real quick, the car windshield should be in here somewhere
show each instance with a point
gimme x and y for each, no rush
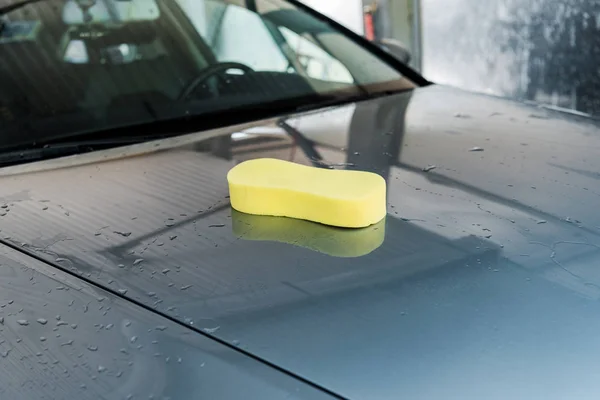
(69, 67)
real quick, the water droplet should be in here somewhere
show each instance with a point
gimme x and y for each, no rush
(217, 226)
(124, 234)
(92, 348)
(74, 326)
(119, 374)
(101, 368)
(166, 270)
(61, 323)
(133, 339)
(463, 116)
(186, 287)
(123, 291)
(211, 330)
(42, 321)
(476, 148)
(541, 222)
(109, 327)
(173, 237)
(2, 320)
(43, 338)
(127, 323)
(68, 343)
(4, 353)
(22, 322)
(160, 328)
(429, 168)
(138, 261)
(342, 165)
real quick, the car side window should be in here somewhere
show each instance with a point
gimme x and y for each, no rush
(317, 63)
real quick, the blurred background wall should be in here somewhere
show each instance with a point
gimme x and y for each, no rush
(348, 12)
(547, 51)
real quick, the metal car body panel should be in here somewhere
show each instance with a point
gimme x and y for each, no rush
(62, 338)
(486, 284)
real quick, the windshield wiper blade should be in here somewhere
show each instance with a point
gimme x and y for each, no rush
(32, 154)
(82, 142)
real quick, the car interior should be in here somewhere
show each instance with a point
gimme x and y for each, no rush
(64, 63)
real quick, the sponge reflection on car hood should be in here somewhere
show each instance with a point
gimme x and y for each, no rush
(333, 241)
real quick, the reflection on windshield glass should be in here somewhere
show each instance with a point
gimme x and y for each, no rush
(71, 66)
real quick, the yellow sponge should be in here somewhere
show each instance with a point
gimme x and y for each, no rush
(350, 199)
(330, 240)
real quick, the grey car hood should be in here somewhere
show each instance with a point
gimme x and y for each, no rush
(485, 283)
(62, 338)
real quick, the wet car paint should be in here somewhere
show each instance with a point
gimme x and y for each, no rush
(62, 338)
(485, 286)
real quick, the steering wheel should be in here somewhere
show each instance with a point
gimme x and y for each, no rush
(210, 71)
